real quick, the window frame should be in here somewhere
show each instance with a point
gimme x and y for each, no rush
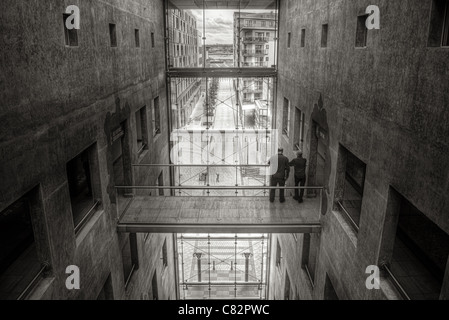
(67, 32)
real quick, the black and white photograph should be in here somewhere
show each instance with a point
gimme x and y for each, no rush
(224, 154)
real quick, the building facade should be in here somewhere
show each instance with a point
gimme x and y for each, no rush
(83, 112)
(367, 107)
(255, 47)
(94, 105)
(184, 53)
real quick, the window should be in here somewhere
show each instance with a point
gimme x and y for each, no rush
(303, 38)
(117, 152)
(439, 24)
(19, 261)
(79, 177)
(310, 246)
(324, 35)
(287, 286)
(329, 291)
(267, 47)
(362, 31)
(113, 35)
(71, 35)
(106, 292)
(137, 38)
(289, 36)
(156, 117)
(141, 129)
(164, 254)
(154, 290)
(352, 179)
(278, 254)
(160, 183)
(299, 129)
(129, 257)
(420, 250)
(152, 39)
(286, 117)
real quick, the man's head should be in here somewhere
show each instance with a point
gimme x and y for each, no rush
(299, 153)
(280, 150)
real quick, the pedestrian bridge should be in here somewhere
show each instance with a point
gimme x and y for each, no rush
(140, 212)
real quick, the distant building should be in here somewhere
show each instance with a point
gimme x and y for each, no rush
(254, 39)
(254, 47)
(184, 53)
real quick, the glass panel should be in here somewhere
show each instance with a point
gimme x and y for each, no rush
(203, 37)
(222, 125)
(219, 266)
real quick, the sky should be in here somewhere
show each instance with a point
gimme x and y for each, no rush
(219, 25)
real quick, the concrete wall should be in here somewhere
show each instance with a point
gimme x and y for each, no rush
(55, 102)
(388, 105)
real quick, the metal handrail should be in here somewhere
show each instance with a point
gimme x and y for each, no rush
(231, 283)
(87, 216)
(40, 274)
(396, 283)
(141, 148)
(201, 165)
(217, 187)
(349, 216)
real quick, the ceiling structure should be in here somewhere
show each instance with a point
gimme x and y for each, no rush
(227, 4)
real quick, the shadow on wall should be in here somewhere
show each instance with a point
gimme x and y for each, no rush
(319, 153)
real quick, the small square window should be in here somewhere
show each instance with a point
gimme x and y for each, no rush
(362, 31)
(439, 24)
(164, 254)
(137, 38)
(113, 35)
(324, 35)
(156, 117)
(286, 117)
(71, 35)
(130, 257)
(303, 38)
(278, 254)
(141, 129)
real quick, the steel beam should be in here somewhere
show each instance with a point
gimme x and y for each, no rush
(218, 228)
(222, 72)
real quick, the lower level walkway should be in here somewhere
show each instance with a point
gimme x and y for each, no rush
(220, 215)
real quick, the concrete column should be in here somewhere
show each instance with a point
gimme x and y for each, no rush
(247, 255)
(198, 257)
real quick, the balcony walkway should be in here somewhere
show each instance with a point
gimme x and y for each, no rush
(199, 214)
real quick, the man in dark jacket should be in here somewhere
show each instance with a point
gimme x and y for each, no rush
(299, 163)
(280, 169)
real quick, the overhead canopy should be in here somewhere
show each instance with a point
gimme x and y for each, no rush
(227, 4)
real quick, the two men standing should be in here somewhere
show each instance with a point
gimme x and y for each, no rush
(282, 172)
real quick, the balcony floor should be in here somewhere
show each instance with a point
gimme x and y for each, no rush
(220, 215)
